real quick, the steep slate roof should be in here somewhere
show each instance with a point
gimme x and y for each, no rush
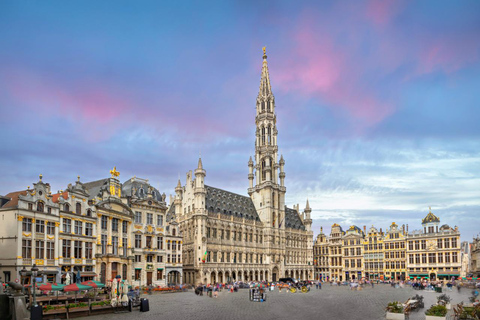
(94, 187)
(139, 184)
(230, 203)
(292, 220)
(14, 198)
(430, 218)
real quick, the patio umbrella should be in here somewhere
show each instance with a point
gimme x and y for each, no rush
(93, 284)
(51, 287)
(75, 287)
(125, 292)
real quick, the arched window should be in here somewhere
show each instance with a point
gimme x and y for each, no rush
(66, 207)
(40, 206)
(263, 136)
(269, 136)
(89, 212)
(174, 231)
(78, 208)
(268, 106)
(263, 106)
(141, 193)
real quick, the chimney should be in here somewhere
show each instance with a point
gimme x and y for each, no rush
(380, 230)
(364, 229)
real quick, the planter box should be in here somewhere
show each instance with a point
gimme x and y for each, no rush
(55, 311)
(78, 309)
(101, 307)
(395, 316)
(435, 318)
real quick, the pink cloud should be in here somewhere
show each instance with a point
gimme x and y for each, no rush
(329, 73)
(381, 12)
(447, 54)
(100, 110)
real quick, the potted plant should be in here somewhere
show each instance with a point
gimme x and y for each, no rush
(54, 309)
(395, 311)
(98, 305)
(77, 307)
(436, 312)
(444, 300)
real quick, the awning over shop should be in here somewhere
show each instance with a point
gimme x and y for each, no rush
(159, 268)
(87, 274)
(138, 268)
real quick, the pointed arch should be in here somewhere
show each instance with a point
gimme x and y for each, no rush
(269, 135)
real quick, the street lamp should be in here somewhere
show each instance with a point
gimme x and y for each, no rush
(35, 310)
(34, 275)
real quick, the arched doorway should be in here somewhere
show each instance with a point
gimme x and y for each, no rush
(275, 274)
(220, 277)
(234, 276)
(103, 272)
(266, 275)
(245, 276)
(432, 276)
(227, 277)
(124, 272)
(114, 270)
(213, 277)
(173, 277)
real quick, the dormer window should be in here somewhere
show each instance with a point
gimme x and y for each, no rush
(141, 193)
(89, 212)
(66, 207)
(78, 208)
(40, 206)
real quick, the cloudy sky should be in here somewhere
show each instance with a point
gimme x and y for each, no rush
(377, 101)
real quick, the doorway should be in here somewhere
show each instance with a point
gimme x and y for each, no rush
(149, 278)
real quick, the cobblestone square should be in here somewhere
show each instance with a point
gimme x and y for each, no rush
(332, 302)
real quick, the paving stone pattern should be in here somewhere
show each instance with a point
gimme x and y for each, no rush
(331, 302)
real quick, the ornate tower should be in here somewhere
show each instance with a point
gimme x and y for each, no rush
(267, 194)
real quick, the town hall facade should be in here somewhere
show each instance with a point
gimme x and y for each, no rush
(231, 237)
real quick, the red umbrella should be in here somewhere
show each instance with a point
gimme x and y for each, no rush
(51, 287)
(93, 284)
(76, 287)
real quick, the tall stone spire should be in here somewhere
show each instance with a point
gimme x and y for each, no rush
(265, 171)
(265, 87)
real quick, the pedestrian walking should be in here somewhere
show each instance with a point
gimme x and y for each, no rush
(319, 285)
(316, 285)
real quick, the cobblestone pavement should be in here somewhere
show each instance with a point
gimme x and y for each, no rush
(331, 302)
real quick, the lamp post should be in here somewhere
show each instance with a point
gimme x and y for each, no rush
(35, 310)
(34, 275)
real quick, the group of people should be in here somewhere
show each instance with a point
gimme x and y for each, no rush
(212, 290)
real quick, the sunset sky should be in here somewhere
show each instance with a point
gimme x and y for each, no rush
(377, 101)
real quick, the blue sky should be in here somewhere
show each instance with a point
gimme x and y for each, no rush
(377, 101)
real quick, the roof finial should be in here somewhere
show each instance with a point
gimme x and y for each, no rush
(78, 178)
(429, 209)
(264, 53)
(114, 172)
(40, 176)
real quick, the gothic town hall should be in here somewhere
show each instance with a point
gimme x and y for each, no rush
(231, 237)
